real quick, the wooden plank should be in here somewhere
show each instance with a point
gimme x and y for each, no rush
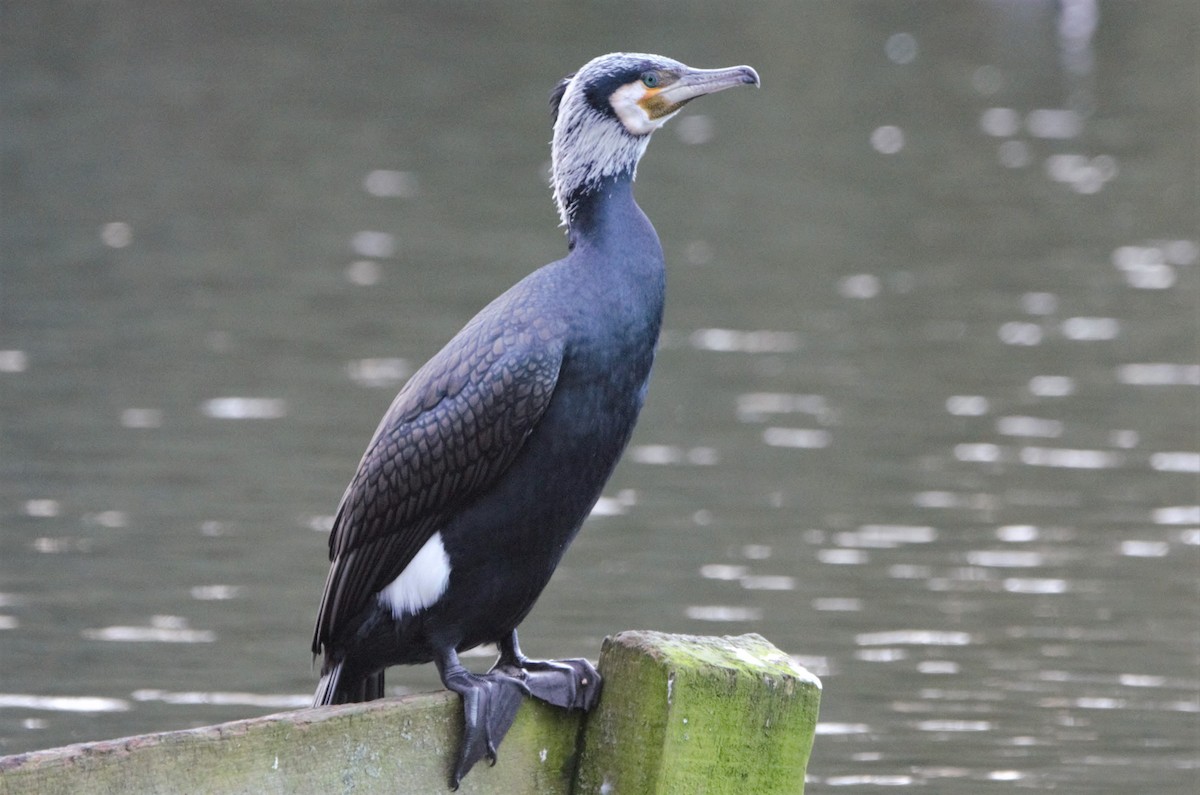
(678, 714)
(388, 746)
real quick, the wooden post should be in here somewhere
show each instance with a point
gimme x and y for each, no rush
(678, 714)
(698, 716)
(395, 745)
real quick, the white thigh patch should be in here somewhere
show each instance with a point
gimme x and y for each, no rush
(422, 582)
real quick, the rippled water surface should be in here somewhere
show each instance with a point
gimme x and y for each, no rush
(924, 415)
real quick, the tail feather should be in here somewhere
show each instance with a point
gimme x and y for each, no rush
(337, 688)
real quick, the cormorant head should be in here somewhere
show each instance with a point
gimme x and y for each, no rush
(604, 115)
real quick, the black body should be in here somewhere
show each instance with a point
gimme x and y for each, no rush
(502, 442)
(500, 445)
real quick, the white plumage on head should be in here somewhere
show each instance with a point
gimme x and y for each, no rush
(591, 144)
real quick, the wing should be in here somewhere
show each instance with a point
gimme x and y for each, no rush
(450, 433)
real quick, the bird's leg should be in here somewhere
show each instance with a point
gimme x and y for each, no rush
(572, 684)
(490, 704)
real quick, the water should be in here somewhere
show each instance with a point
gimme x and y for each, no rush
(924, 414)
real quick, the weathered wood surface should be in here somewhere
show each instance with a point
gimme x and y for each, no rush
(686, 714)
(396, 745)
(678, 714)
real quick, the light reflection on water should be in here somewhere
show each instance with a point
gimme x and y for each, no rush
(916, 417)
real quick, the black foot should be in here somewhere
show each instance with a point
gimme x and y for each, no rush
(490, 704)
(571, 684)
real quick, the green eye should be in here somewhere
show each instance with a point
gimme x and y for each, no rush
(650, 79)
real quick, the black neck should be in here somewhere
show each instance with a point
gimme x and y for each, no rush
(594, 209)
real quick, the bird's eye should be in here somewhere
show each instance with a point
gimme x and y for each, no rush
(650, 79)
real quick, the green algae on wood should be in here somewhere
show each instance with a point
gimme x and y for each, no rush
(389, 746)
(678, 714)
(698, 715)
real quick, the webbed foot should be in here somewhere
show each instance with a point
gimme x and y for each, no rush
(571, 684)
(490, 704)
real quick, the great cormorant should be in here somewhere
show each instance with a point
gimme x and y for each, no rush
(494, 452)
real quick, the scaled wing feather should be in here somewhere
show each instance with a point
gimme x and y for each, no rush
(450, 433)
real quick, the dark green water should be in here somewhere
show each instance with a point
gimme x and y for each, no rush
(925, 413)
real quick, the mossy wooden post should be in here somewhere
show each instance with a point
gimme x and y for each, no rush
(400, 745)
(678, 714)
(698, 715)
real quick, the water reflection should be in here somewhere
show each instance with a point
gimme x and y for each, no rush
(730, 340)
(245, 408)
(379, 373)
(141, 418)
(220, 699)
(63, 703)
(160, 629)
(665, 455)
(391, 184)
(13, 361)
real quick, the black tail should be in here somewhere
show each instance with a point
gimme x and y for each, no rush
(334, 688)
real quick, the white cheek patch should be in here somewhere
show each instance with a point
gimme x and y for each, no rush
(625, 104)
(422, 582)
